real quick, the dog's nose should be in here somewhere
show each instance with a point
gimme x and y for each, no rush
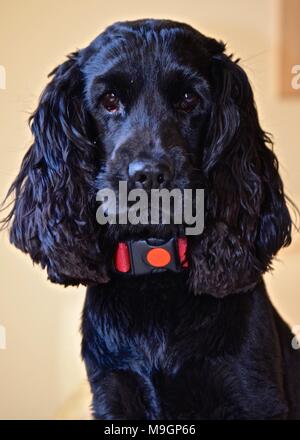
(148, 175)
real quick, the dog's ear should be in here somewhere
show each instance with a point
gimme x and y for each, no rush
(246, 220)
(53, 215)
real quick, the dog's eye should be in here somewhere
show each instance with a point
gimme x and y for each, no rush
(187, 102)
(110, 102)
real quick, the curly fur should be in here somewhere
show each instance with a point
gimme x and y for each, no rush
(203, 344)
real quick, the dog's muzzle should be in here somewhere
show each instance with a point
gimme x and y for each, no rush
(139, 257)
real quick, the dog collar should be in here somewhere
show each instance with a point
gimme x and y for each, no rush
(137, 257)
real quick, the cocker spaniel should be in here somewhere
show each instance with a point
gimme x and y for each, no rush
(189, 332)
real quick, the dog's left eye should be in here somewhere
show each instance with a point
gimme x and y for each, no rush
(110, 102)
(187, 102)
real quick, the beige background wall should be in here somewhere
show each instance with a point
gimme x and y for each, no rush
(41, 367)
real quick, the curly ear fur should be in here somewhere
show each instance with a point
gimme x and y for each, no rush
(52, 218)
(247, 220)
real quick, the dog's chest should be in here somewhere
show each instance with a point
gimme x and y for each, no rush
(188, 351)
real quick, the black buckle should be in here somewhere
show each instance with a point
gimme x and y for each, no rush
(139, 251)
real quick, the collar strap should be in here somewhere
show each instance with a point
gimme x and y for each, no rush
(137, 257)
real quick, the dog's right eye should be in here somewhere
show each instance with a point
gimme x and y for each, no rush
(187, 102)
(110, 102)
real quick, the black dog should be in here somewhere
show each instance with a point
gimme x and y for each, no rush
(159, 105)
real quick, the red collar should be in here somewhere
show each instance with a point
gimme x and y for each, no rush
(136, 257)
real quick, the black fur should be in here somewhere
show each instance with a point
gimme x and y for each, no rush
(202, 344)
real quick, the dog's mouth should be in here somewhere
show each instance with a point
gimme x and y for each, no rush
(119, 232)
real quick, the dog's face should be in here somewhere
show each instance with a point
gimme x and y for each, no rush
(149, 101)
(158, 105)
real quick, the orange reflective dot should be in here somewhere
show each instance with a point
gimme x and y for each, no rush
(158, 257)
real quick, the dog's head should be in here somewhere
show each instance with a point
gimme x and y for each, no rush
(158, 105)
